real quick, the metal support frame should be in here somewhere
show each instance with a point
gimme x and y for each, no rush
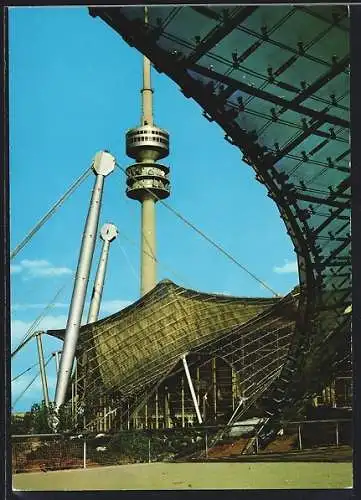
(198, 385)
(191, 388)
(76, 389)
(233, 388)
(74, 392)
(44, 382)
(72, 401)
(156, 410)
(330, 201)
(299, 438)
(214, 386)
(84, 453)
(182, 401)
(57, 355)
(103, 164)
(105, 428)
(23, 344)
(146, 415)
(166, 409)
(135, 417)
(339, 249)
(267, 96)
(219, 32)
(337, 435)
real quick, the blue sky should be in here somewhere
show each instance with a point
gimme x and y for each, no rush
(74, 91)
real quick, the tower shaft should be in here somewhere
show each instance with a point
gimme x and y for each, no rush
(148, 266)
(147, 180)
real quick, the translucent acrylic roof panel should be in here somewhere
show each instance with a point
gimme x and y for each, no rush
(267, 16)
(196, 29)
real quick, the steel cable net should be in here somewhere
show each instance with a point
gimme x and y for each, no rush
(276, 79)
(131, 352)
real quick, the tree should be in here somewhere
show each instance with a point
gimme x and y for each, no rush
(39, 420)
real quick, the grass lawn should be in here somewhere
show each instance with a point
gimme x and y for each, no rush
(160, 476)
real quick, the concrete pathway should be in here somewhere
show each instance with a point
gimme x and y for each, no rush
(160, 476)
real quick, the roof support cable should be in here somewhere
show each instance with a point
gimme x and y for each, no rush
(207, 238)
(30, 333)
(131, 267)
(97, 378)
(25, 371)
(165, 267)
(30, 383)
(24, 342)
(49, 214)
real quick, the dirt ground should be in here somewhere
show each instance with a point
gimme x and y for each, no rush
(161, 476)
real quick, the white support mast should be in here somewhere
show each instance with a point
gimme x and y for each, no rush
(108, 233)
(191, 388)
(103, 164)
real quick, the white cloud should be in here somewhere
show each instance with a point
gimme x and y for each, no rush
(49, 271)
(288, 267)
(38, 269)
(31, 264)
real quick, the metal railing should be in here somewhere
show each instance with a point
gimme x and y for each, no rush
(38, 452)
(304, 435)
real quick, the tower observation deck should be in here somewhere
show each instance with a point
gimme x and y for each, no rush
(147, 180)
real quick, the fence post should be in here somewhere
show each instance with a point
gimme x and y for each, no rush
(299, 438)
(149, 460)
(84, 453)
(206, 439)
(337, 435)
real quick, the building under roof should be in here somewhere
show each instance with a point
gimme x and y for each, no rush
(131, 352)
(276, 80)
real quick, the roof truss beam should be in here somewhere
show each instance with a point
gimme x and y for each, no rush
(338, 263)
(267, 96)
(328, 221)
(296, 195)
(219, 32)
(329, 260)
(341, 188)
(318, 16)
(336, 69)
(298, 140)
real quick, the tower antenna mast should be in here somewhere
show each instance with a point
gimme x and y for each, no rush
(147, 91)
